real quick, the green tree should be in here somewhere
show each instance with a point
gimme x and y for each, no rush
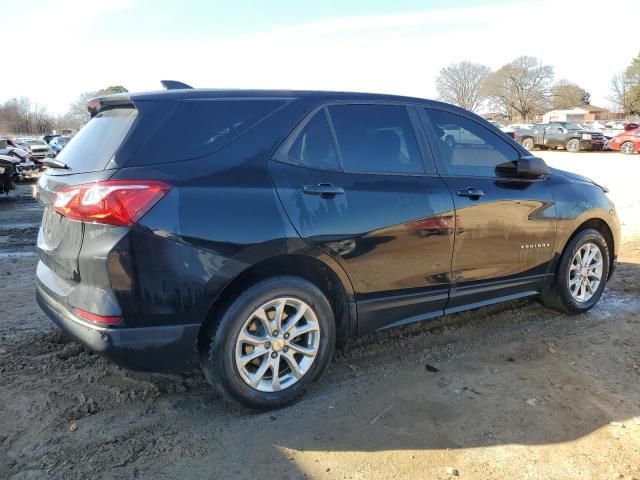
(625, 88)
(111, 90)
(566, 94)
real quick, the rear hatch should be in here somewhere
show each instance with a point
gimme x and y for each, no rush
(88, 156)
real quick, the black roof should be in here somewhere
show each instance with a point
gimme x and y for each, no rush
(313, 95)
(241, 93)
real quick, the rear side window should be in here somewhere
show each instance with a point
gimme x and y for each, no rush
(201, 127)
(313, 146)
(376, 139)
(96, 143)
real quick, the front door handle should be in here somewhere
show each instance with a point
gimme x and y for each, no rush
(325, 190)
(471, 193)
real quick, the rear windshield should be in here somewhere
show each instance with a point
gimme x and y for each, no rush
(201, 127)
(96, 143)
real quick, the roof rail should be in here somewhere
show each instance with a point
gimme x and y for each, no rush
(174, 85)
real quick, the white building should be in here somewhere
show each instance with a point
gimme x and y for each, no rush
(581, 113)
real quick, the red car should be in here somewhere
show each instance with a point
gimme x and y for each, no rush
(627, 141)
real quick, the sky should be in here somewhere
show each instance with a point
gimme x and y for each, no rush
(63, 48)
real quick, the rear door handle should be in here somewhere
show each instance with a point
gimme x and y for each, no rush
(325, 190)
(471, 192)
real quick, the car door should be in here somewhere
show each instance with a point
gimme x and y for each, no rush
(554, 135)
(359, 184)
(537, 131)
(505, 227)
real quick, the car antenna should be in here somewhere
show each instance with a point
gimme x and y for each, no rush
(174, 85)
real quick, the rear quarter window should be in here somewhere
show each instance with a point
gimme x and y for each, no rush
(96, 143)
(200, 127)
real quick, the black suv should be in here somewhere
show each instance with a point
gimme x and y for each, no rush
(250, 231)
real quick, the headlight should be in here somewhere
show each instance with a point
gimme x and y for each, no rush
(586, 136)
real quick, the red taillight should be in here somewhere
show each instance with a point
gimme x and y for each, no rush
(114, 202)
(103, 319)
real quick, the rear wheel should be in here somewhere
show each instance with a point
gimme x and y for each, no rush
(573, 145)
(528, 143)
(627, 148)
(274, 341)
(581, 275)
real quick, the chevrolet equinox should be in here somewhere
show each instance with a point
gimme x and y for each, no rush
(249, 232)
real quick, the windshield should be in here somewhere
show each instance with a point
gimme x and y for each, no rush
(572, 126)
(62, 141)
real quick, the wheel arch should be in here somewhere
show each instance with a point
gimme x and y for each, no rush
(335, 286)
(601, 226)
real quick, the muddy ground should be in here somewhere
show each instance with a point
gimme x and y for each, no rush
(512, 391)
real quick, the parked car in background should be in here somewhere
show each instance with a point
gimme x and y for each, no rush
(627, 142)
(48, 138)
(250, 231)
(24, 166)
(509, 130)
(7, 173)
(38, 148)
(57, 144)
(567, 135)
(519, 126)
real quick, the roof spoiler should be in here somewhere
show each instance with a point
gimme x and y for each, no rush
(174, 85)
(98, 104)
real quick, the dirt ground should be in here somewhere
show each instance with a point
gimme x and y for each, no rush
(511, 391)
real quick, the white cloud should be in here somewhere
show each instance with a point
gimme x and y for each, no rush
(399, 53)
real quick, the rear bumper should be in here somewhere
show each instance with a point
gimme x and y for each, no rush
(160, 348)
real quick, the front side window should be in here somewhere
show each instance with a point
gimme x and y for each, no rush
(376, 139)
(467, 147)
(313, 146)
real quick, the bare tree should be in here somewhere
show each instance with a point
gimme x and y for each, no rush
(567, 94)
(78, 115)
(461, 83)
(522, 86)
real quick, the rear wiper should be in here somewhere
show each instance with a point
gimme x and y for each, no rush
(53, 163)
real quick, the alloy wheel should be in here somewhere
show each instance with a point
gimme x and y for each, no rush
(277, 344)
(585, 272)
(627, 148)
(573, 146)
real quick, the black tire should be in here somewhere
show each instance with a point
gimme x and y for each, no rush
(627, 148)
(573, 145)
(527, 143)
(218, 355)
(559, 296)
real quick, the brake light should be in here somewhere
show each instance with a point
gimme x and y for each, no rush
(95, 318)
(114, 202)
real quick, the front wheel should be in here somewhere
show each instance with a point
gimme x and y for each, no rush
(272, 342)
(627, 148)
(581, 274)
(573, 145)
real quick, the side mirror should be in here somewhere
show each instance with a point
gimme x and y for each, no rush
(524, 167)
